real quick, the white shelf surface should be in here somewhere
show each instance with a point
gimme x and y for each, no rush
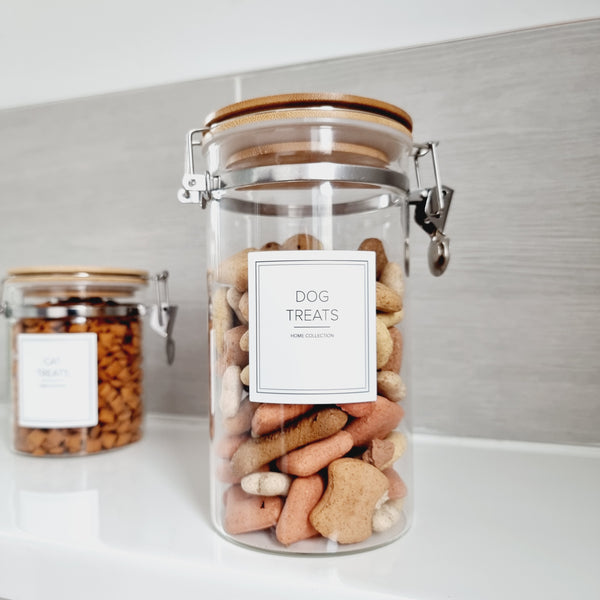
(494, 520)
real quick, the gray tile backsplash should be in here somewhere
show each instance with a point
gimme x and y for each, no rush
(505, 344)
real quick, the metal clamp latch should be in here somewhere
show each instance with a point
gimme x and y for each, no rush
(431, 210)
(162, 314)
(197, 189)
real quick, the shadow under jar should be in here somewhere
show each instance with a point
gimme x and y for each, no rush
(76, 358)
(308, 210)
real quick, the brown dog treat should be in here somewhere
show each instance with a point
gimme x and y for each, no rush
(242, 421)
(358, 409)
(394, 363)
(226, 446)
(269, 417)
(234, 270)
(293, 524)
(375, 245)
(232, 351)
(271, 246)
(385, 343)
(345, 512)
(225, 474)
(256, 452)
(313, 457)
(397, 487)
(246, 512)
(378, 424)
(379, 453)
(302, 241)
(392, 277)
(386, 299)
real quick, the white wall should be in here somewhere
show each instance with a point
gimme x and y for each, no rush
(58, 49)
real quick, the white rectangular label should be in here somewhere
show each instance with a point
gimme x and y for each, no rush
(312, 327)
(58, 379)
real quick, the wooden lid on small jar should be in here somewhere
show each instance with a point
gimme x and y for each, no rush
(82, 280)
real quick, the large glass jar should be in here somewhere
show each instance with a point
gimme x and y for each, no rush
(75, 351)
(307, 198)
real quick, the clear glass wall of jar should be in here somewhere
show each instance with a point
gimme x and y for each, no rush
(308, 299)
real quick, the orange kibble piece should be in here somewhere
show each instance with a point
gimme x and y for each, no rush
(108, 439)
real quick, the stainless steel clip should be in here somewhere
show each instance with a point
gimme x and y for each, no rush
(197, 187)
(162, 314)
(431, 210)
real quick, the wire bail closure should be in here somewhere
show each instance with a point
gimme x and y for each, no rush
(431, 204)
(162, 314)
(431, 210)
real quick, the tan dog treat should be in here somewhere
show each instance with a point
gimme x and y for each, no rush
(386, 299)
(310, 459)
(231, 392)
(397, 489)
(293, 524)
(358, 409)
(387, 516)
(392, 277)
(245, 342)
(245, 512)
(269, 417)
(391, 386)
(302, 241)
(221, 317)
(378, 424)
(385, 343)
(266, 484)
(232, 351)
(243, 306)
(256, 452)
(394, 363)
(234, 270)
(375, 245)
(379, 453)
(392, 318)
(245, 376)
(226, 446)
(233, 299)
(242, 421)
(399, 443)
(345, 512)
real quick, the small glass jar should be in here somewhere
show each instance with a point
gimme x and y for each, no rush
(76, 357)
(308, 211)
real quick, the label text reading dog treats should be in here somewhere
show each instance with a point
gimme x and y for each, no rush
(58, 380)
(312, 327)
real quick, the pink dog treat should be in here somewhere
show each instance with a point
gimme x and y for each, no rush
(358, 409)
(293, 524)
(378, 424)
(314, 457)
(269, 417)
(242, 421)
(379, 452)
(397, 487)
(245, 512)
